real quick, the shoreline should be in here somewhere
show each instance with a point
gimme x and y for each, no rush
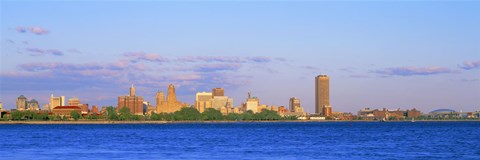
(206, 122)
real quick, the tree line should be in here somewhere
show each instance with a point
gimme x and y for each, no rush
(184, 114)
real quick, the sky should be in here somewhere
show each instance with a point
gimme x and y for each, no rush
(423, 55)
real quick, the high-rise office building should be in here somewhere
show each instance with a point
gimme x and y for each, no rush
(218, 92)
(132, 101)
(322, 95)
(56, 101)
(33, 105)
(73, 101)
(21, 103)
(203, 100)
(294, 105)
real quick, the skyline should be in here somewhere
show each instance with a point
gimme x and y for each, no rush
(423, 55)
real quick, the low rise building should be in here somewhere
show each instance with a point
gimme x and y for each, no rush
(66, 110)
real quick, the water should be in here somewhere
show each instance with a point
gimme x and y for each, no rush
(324, 140)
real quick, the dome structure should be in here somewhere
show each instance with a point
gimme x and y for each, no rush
(443, 111)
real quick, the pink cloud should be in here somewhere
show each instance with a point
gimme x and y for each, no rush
(35, 30)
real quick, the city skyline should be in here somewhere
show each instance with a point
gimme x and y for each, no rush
(382, 55)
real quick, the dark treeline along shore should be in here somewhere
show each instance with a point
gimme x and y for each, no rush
(185, 114)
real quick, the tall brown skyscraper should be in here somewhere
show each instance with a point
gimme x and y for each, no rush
(171, 105)
(159, 98)
(171, 96)
(218, 92)
(133, 102)
(322, 95)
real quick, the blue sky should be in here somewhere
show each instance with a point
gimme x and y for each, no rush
(423, 55)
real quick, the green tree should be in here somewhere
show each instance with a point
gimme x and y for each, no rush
(212, 114)
(248, 115)
(233, 117)
(187, 113)
(111, 114)
(124, 114)
(75, 115)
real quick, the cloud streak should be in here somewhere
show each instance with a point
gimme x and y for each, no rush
(41, 52)
(35, 30)
(413, 71)
(468, 65)
(142, 56)
(224, 59)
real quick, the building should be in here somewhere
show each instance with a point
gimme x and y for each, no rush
(444, 113)
(218, 92)
(171, 104)
(1, 106)
(32, 105)
(56, 101)
(159, 99)
(66, 110)
(203, 100)
(322, 95)
(414, 113)
(84, 108)
(387, 114)
(294, 105)
(21, 103)
(132, 101)
(95, 109)
(252, 103)
(222, 103)
(73, 101)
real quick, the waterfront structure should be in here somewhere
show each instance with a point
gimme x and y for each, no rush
(32, 105)
(171, 104)
(444, 113)
(132, 101)
(21, 103)
(322, 95)
(387, 114)
(56, 101)
(66, 110)
(203, 100)
(73, 101)
(218, 92)
(1, 106)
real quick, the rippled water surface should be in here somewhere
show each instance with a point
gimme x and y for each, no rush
(278, 140)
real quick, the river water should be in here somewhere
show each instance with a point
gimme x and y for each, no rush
(263, 140)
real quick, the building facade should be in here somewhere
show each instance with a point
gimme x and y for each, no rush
(132, 101)
(56, 101)
(21, 103)
(203, 100)
(294, 105)
(73, 101)
(171, 104)
(66, 110)
(32, 105)
(322, 95)
(218, 92)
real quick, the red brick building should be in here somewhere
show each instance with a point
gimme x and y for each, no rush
(66, 110)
